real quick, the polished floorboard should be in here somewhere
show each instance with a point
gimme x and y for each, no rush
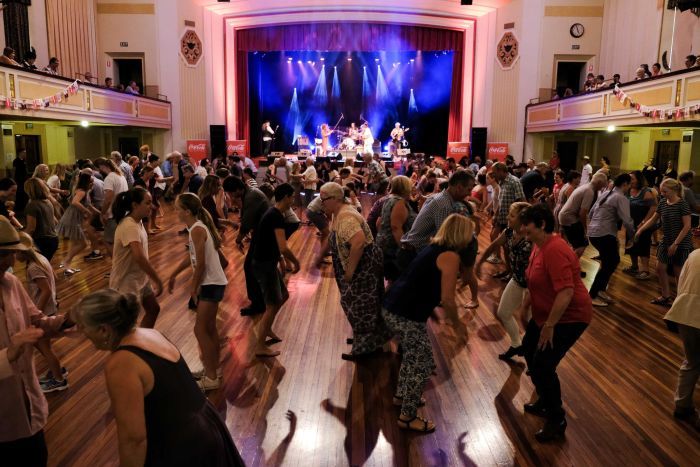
(308, 407)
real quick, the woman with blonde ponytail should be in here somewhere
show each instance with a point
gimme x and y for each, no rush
(208, 282)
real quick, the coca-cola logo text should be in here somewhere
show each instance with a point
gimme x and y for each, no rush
(236, 147)
(498, 149)
(197, 147)
(459, 150)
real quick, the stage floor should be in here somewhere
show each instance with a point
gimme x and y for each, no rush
(308, 407)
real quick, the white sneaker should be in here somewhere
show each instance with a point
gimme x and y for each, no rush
(606, 297)
(207, 384)
(599, 302)
(200, 373)
(493, 259)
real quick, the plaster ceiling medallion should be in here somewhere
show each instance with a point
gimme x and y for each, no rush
(191, 47)
(507, 51)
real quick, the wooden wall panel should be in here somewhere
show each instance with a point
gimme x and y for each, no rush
(71, 34)
(657, 97)
(116, 105)
(692, 91)
(543, 115)
(193, 112)
(505, 97)
(581, 109)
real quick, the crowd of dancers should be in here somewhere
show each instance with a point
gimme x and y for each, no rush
(398, 267)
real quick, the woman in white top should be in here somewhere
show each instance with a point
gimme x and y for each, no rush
(208, 282)
(132, 272)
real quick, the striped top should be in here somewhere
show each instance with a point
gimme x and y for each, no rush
(671, 216)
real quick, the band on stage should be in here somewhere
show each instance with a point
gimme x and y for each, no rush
(353, 138)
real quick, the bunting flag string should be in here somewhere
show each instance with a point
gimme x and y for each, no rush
(37, 104)
(675, 113)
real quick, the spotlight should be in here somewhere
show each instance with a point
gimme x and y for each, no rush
(349, 59)
(364, 67)
(412, 60)
(611, 128)
(84, 123)
(335, 67)
(309, 62)
(376, 59)
(289, 59)
(322, 59)
(299, 62)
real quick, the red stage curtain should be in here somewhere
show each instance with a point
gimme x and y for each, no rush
(360, 37)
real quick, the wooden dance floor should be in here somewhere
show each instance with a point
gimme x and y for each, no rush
(310, 408)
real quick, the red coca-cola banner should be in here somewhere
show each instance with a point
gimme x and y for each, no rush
(457, 150)
(497, 151)
(239, 146)
(197, 149)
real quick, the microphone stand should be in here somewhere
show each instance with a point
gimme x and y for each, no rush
(334, 130)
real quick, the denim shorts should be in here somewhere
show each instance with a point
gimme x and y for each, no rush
(212, 293)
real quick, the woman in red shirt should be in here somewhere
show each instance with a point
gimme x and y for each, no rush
(561, 311)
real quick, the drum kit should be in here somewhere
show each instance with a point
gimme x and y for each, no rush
(350, 139)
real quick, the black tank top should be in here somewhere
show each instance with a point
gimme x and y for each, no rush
(174, 400)
(418, 290)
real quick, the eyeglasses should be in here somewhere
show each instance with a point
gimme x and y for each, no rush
(326, 198)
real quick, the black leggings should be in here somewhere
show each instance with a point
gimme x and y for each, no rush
(543, 363)
(609, 259)
(30, 452)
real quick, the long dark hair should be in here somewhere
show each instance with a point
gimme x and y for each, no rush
(84, 180)
(123, 202)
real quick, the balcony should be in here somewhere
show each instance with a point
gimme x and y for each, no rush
(680, 89)
(92, 103)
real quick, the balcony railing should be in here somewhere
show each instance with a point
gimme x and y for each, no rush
(91, 102)
(678, 90)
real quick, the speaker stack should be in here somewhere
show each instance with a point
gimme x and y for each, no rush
(217, 140)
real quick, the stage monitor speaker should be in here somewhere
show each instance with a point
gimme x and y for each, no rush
(276, 154)
(304, 153)
(464, 2)
(349, 153)
(478, 142)
(217, 140)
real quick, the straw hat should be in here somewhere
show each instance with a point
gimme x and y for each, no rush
(9, 238)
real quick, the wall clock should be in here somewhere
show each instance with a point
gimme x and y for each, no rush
(507, 50)
(577, 30)
(191, 47)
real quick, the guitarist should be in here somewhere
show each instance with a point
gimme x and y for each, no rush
(397, 135)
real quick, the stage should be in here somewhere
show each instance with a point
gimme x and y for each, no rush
(302, 76)
(356, 99)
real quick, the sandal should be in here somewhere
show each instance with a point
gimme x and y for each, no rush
(663, 301)
(472, 304)
(498, 275)
(642, 276)
(406, 425)
(398, 401)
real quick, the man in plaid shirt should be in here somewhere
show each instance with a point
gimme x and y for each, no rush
(377, 180)
(511, 191)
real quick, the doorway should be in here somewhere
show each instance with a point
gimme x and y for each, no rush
(127, 70)
(568, 152)
(128, 146)
(31, 144)
(570, 75)
(667, 151)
